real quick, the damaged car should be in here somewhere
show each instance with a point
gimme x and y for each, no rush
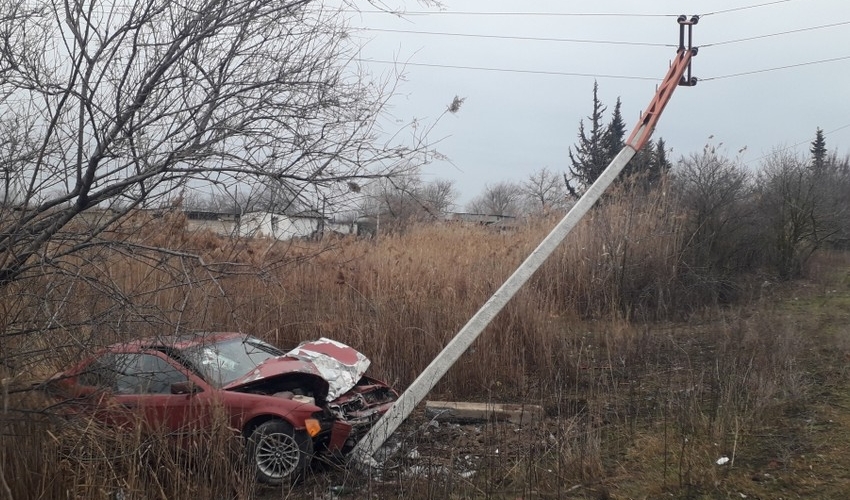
(289, 406)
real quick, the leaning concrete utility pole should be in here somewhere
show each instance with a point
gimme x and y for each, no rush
(414, 394)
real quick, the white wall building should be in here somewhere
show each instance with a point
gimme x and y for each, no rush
(278, 226)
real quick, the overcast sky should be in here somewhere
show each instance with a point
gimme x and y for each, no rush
(517, 120)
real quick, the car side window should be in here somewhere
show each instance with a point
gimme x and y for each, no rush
(101, 373)
(147, 374)
(132, 373)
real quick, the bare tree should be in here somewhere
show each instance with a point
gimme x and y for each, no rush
(394, 199)
(544, 190)
(405, 199)
(107, 108)
(122, 105)
(802, 205)
(502, 198)
(439, 195)
(840, 172)
(714, 190)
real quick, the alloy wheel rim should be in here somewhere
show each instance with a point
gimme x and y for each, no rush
(277, 455)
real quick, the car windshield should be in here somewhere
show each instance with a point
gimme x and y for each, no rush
(223, 362)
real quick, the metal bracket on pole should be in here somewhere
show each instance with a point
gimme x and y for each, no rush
(684, 23)
(387, 424)
(675, 77)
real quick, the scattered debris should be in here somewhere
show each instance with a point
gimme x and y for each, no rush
(722, 460)
(385, 452)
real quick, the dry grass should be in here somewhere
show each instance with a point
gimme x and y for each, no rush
(646, 379)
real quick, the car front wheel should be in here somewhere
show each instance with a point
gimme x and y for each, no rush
(279, 453)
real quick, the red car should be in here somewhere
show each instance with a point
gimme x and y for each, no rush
(313, 399)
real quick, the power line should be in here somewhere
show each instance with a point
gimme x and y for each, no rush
(473, 13)
(595, 75)
(795, 146)
(550, 14)
(736, 9)
(530, 38)
(757, 37)
(837, 129)
(765, 70)
(601, 42)
(510, 70)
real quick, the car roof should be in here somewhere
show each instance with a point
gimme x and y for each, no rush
(183, 341)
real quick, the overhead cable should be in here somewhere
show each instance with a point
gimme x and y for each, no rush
(602, 42)
(736, 9)
(529, 38)
(757, 37)
(765, 70)
(595, 75)
(481, 13)
(509, 70)
(795, 146)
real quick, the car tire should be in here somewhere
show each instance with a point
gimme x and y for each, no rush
(278, 453)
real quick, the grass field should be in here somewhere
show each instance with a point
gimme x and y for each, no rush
(646, 376)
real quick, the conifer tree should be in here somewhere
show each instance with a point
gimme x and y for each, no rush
(648, 165)
(818, 150)
(641, 163)
(590, 156)
(661, 160)
(595, 150)
(660, 163)
(615, 133)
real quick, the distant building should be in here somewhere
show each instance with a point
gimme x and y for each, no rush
(480, 219)
(286, 227)
(221, 223)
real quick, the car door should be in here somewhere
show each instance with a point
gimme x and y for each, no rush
(145, 383)
(135, 389)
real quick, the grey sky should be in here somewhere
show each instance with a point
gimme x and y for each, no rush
(515, 123)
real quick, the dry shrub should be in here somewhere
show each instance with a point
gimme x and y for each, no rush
(830, 269)
(400, 299)
(576, 339)
(81, 458)
(623, 260)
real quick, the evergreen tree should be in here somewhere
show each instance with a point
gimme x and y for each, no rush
(615, 133)
(591, 154)
(648, 165)
(595, 150)
(818, 150)
(641, 163)
(660, 163)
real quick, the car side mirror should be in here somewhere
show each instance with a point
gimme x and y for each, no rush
(185, 387)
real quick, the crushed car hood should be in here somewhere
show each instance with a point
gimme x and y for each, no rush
(337, 364)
